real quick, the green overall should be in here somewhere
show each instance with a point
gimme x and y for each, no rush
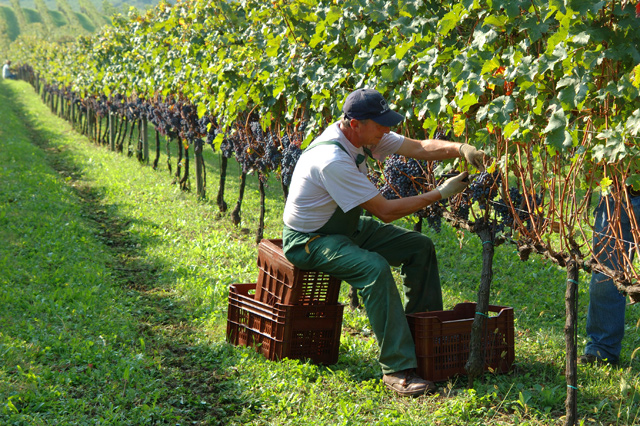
(361, 250)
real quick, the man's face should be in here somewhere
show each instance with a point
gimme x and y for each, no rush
(370, 132)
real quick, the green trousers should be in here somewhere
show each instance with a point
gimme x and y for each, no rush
(361, 251)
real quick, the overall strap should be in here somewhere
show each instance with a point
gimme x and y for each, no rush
(336, 143)
(359, 159)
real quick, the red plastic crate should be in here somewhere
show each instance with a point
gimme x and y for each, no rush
(442, 340)
(281, 282)
(284, 331)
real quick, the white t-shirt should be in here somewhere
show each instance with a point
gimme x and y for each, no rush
(5, 71)
(326, 177)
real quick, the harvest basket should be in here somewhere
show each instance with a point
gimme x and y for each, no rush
(442, 340)
(281, 282)
(284, 331)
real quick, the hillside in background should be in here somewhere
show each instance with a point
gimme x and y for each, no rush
(76, 4)
(59, 20)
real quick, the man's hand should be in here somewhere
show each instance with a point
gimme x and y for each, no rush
(473, 156)
(454, 185)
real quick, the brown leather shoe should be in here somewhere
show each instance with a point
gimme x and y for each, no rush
(408, 383)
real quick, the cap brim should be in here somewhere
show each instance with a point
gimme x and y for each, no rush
(389, 119)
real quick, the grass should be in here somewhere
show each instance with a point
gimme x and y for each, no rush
(113, 287)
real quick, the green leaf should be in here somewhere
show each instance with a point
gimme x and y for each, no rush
(393, 70)
(334, 14)
(633, 123)
(402, 49)
(605, 184)
(202, 109)
(557, 121)
(510, 129)
(636, 76)
(613, 150)
(452, 19)
(467, 101)
(218, 141)
(375, 40)
(634, 181)
(557, 135)
(491, 65)
(496, 21)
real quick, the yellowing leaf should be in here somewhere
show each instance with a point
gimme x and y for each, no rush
(635, 77)
(605, 184)
(510, 128)
(490, 127)
(459, 124)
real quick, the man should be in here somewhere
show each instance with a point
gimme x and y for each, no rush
(606, 312)
(324, 229)
(6, 70)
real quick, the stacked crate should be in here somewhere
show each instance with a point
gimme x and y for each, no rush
(288, 313)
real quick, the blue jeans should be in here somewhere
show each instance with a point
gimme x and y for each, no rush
(605, 317)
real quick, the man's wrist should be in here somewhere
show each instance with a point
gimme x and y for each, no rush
(460, 154)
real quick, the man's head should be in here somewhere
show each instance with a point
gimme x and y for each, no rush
(368, 104)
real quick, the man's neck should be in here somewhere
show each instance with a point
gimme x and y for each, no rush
(351, 135)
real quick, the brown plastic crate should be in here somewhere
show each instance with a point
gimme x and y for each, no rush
(442, 340)
(284, 331)
(281, 282)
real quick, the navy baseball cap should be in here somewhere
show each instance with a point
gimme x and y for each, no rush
(364, 104)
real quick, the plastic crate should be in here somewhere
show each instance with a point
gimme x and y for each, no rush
(442, 340)
(281, 282)
(284, 331)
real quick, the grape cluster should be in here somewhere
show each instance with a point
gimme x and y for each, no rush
(484, 188)
(272, 152)
(503, 207)
(290, 155)
(404, 177)
(255, 148)
(463, 206)
(441, 135)
(375, 177)
(433, 214)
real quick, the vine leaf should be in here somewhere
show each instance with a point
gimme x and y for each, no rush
(633, 123)
(557, 137)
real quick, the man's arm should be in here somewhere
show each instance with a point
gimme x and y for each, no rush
(390, 210)
(429, 149)
(435, 149)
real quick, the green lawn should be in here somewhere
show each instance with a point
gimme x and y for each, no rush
(113, 299)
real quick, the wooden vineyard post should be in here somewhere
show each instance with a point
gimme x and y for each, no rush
(145, 141)
(475, 363)
(222, 205)
(72, 111)
(260, 230)
(571, 341)
(112, 136)
(199, 169)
